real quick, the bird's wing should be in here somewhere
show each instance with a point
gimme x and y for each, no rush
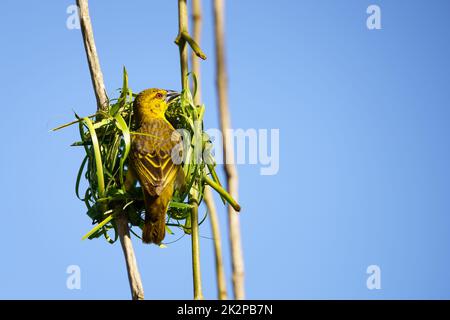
(151, 156)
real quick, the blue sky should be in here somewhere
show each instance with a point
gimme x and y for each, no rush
(363, 119)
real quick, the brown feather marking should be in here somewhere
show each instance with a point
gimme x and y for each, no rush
(151, 158)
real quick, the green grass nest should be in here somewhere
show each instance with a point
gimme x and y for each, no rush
(106, 139)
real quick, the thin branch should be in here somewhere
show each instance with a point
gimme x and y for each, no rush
(228, 152)
(183, 27)
(92, 57)
(184, 36)
(134, 277)
(208, 196)
(196, 274)
(215, 227)
(197, 33)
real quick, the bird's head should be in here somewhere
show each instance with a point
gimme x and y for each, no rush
(153, 103)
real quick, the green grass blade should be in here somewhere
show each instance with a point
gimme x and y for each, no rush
(98, 227)
(71, 123)
(97, 156)
(122, 125)
(223, 193)
(80, 172)
(215, 177)
(180, 205)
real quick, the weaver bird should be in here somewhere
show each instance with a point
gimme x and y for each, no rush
(153, 147)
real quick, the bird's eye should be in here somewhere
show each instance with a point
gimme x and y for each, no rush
(159, 95)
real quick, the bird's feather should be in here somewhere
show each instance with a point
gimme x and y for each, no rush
(152, 155)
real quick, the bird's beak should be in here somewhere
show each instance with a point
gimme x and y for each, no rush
(171, 95)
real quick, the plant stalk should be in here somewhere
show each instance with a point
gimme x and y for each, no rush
(92, 57)
(184, 36)
(134, 277)
(196, 274)
(208, 196)
(183, 28)
(217, 238)
(228, 152)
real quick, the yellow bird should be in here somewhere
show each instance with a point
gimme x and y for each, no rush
(154, 159)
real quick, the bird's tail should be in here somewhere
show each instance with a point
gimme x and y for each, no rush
(154, 229)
